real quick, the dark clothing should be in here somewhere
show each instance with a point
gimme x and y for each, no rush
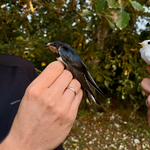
(15, 75)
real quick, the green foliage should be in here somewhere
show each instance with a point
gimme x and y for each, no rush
(137, 6)
(112, 4)
(92, 28)
(100, 5)
(123, 20)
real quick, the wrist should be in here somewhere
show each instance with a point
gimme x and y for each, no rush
(13, 141)
(9, 143)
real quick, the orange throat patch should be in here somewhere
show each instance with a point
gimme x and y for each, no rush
(53, 49)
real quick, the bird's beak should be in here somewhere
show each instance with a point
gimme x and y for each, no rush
(143, 44)
(48, 44)
(45, 45)
(51, 47)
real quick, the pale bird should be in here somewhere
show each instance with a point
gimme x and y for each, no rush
(145, 51)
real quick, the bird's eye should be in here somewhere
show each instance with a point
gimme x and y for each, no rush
(149, 42)
(55, 45)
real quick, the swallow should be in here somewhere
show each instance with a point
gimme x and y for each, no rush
(145, 51)
(74, 64)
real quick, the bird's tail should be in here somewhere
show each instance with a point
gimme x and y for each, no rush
(92, 82)
(91, 96)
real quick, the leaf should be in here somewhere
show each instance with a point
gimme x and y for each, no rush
(99, 78)
(100, 5)
(19, 38)
(106, 83)
(89, 25)
(110, 23)
(112, 4)
(86, 13)
(123, 20)
(137, 6)
(108, 66)
(123, 97)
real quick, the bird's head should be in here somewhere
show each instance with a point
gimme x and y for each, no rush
(53, 46)
(145, 43)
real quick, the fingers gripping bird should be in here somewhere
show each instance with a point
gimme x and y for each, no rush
(74, 64)
(145, 51)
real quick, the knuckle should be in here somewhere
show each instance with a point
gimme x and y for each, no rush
(60, 112)
(69, 119)
(50, 102)
(33, 92)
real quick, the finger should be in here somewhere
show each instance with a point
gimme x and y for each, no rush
(145, 84)
(49, 75)
(61, 83)
(148, 101)
(68, 93)
(148, 69)
(76, 102)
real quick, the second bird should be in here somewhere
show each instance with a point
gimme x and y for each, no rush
(74, 64)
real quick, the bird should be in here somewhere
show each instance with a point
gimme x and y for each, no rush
(145, 51)
(75, 65)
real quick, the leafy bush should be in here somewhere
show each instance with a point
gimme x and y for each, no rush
(103, 33)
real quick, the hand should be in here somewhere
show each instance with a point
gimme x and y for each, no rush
(47, 111)
(145, 84)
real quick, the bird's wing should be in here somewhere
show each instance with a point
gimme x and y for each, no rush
(76, 64)
(80, 76)
(92, 82)
(71, 57)
(141, 50)
(147, 55)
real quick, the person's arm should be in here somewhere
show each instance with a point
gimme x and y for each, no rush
(47, 111)
(145, 84)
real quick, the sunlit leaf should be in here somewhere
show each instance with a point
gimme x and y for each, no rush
(112, 4)
(85, 13)
(123, 20)
(137, 6)
(89, 25)
(19, 38)
(106, 83)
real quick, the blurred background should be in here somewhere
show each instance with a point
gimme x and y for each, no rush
(105, 34)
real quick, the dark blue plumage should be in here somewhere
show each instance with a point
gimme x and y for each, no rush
(75, 65)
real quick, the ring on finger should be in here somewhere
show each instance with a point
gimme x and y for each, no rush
(71, 88)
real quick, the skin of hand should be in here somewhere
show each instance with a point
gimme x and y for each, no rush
(145, 84)
(47, 111)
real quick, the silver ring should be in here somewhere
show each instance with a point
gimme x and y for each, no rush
(69, 87)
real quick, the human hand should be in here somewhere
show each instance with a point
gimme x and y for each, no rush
(47, 111)
(145, 84)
